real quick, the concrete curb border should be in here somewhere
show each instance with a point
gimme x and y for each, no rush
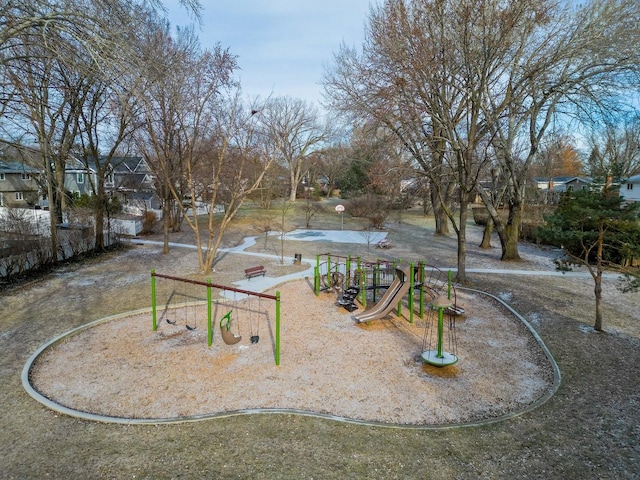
(52, 405)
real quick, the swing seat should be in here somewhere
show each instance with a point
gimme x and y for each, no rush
(455, 311)
(227, 335)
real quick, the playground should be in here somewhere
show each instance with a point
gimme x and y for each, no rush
(598, 392)
(318, 361)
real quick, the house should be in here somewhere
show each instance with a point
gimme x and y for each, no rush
(552, 187)
(630, 189)
(129, 178)
(18, 185)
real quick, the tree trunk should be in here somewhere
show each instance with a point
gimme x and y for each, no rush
(293, 179)
(486, 235)
(439, 215)
(99, 219)
(510, 235)
(461, 276)
(597, 278)
(293, 193)
(58, 194)
(166, 217)
(597, 290)
(52, 210)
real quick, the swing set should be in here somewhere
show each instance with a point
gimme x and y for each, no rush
(227, 320)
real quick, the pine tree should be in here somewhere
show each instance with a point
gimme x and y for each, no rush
(596, 229)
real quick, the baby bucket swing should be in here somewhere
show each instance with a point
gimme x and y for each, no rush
(228, 336)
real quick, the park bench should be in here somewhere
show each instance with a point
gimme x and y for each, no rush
(254, 272)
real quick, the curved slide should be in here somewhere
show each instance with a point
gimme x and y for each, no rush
(391, 297)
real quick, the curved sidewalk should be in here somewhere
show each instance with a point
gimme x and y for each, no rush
(260, 284)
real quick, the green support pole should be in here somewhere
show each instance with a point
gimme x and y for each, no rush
(375, 280)
(400, 302)
(277, 328)
(316, 280)
(421, 289)
(411, 285)
(363, 287)
(440, 331)
(153, 301)
(348, 275)
(209, 315)
(449, 284)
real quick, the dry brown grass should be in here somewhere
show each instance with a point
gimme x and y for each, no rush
(589, 429)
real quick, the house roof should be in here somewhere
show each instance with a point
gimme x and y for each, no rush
(16, 167)
(633, 179)
(565, 179)
(117, 164)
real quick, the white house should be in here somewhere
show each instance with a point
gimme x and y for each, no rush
(630, 189)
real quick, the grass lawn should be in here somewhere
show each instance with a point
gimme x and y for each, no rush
(590, 429)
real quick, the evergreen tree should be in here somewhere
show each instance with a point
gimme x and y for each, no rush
(595, 229)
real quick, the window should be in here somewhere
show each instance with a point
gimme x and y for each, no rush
(79, 177)
(110, 180)
(629, 186)
(1, 176)
(26, 176)
(19, 196)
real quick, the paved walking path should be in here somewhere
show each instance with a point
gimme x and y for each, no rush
(260, 284)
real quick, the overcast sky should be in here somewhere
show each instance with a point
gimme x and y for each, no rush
(282, 46)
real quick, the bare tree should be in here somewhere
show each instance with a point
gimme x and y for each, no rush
(242, 158)
(569, 61)
(46, 109)
(202, 140)
(295, 131)
(615, 150)
(455, 78)
(164, 97)
(40, 44)
(332, 163)
(412, 79)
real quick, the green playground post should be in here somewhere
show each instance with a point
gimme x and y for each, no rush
(440, 331)
(411, 285)
(348, 273)
(363, 286)
(449, 284)
(375, 279)
(278, 327)
(399, 313)
(421, 278)
(153, 300)
(316, 280)
(209, 315)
